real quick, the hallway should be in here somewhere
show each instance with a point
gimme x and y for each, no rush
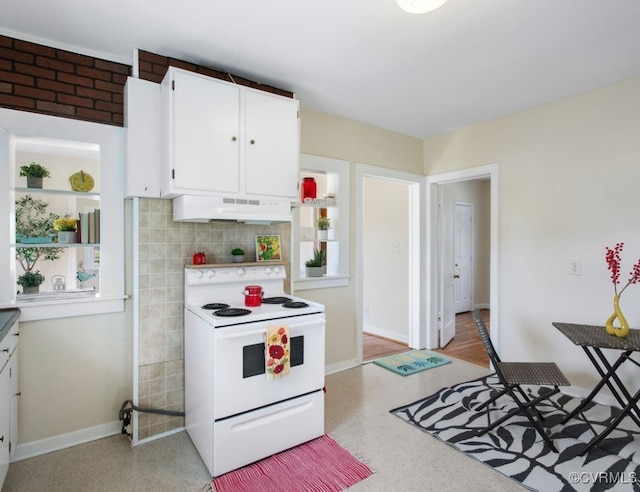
(466, 345)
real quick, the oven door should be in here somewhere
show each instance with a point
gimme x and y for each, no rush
(239, 380)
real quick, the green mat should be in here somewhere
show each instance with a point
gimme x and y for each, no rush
(411, 362)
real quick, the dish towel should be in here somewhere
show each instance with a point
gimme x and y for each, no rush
(277, 352)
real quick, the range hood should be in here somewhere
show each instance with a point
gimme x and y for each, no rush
(193, 208)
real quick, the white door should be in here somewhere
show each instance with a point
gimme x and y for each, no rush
(462, 239)
(446, 317)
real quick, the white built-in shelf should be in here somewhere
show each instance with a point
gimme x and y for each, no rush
(46, 191)
(55, 245)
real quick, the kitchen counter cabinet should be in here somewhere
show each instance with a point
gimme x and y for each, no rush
(227, 140)
(8, 378)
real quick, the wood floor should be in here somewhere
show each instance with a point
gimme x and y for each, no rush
(466, 345)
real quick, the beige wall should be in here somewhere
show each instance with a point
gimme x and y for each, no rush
(74, 374)
(331, 136)
(568, 187)
(385, 281)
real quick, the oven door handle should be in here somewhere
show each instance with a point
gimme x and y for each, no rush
(229, 336)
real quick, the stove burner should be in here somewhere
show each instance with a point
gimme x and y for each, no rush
(295, 304)
(275, 300)
(215, 305)
(231, 312)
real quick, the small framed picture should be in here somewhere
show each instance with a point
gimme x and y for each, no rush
(268, 248)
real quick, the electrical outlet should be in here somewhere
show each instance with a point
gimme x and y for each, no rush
(575, 267)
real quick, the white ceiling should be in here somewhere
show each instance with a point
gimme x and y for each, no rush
(420, 75)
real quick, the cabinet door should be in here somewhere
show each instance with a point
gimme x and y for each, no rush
(272, 145)
(5, 421)
(143, 140)
(206, 136)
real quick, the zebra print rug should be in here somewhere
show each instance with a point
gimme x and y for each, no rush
(517, 451)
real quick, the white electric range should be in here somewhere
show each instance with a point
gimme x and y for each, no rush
(233, 413)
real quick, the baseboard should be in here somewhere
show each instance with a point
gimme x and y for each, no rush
(340, 366)
(481, 306)
(389, 335)
(177, 430)
(56, 443)
(581, 393)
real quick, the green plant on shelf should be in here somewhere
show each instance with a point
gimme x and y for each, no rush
(30, 279)
(33, 220)
(34, 170)
(323, 223)
(237, 251)
(317, 260)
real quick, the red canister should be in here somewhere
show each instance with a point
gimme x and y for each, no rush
(252, 296)
(199, 258)
(309, 188)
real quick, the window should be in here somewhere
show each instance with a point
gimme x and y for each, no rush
(332, 202)
(64, 146)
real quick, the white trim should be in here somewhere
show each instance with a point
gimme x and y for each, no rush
(307, 283)
(62, 441)
(155, 437)
(416, 194)
(389, 335)
(69, 308)
(135, 287)
(431, 225)
(341, 366)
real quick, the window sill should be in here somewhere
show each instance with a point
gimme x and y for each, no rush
(325, 282)
(60, 307)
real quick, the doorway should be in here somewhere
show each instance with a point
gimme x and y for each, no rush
(388, 259)
(434, 294)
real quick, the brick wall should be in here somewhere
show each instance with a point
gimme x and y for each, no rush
(153, 67)
(47, 80)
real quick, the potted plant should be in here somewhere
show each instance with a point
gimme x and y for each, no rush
(238, 255)
(66, 227)
(323, 224)
(33, 225)
(30, 281)
(315, 264)
(34, 173)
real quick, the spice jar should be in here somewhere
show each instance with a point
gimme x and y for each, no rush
(309, 189)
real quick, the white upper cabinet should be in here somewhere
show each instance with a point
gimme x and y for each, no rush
(227, 140)
(272, 145)
(142, 122)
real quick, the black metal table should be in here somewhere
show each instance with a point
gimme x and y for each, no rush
(593, 339)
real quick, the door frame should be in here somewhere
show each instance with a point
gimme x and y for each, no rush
(490, 171)
(416, 198)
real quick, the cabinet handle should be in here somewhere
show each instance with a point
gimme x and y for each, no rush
(17, 334)
(6, 350)
(252, 142)
(1, 438)
(234, 138)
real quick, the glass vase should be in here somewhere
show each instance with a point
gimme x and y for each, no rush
(619, 331)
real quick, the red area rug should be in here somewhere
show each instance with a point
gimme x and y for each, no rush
(321, 465)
